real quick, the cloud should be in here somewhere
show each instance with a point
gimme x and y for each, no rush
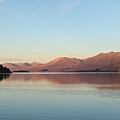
(10, 59)
(68, 7)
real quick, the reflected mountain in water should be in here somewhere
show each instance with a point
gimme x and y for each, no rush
(86, 78)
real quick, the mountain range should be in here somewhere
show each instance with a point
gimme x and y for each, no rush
(101, 62)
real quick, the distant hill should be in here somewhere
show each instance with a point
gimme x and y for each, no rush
(58, 64)
(22, 66)
(61, 64)
(101, 62)
(4, 69)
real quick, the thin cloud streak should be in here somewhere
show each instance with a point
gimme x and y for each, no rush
(67, 7)
(10, 59)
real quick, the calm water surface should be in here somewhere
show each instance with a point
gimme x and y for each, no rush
(60, 96)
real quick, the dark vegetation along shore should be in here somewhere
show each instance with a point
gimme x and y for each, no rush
(4, 69)
(97, 71)
(21, 71)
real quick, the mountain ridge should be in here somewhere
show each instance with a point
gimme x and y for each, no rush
(101, 61)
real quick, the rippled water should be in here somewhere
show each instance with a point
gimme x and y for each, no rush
(60, 96)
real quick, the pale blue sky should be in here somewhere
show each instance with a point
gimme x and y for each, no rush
(41, 30)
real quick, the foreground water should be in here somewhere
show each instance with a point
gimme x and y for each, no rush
(60, 96)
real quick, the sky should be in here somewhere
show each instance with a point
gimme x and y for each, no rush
(41, 30)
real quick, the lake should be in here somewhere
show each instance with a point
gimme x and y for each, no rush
(60, 96)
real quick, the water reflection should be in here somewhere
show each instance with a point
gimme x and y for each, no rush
(75, 96)
(100, 80)
(4, 76)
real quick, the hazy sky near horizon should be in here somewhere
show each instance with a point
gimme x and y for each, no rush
(41, 30)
